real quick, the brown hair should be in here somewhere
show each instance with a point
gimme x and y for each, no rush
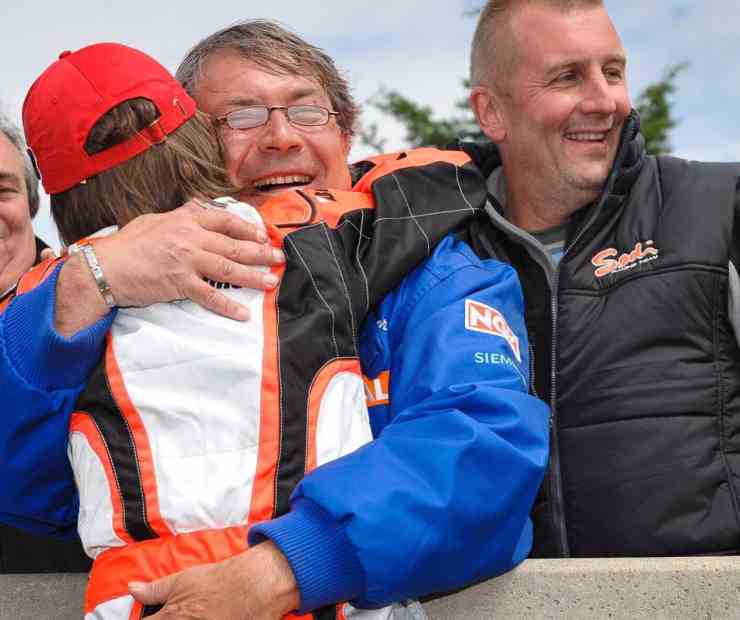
(492, 53)
(277, 50)
(188, 164)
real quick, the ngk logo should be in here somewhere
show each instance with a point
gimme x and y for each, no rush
(482, 318)
(607, 262)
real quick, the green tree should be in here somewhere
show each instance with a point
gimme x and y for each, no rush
(424, 129)
(656, 116)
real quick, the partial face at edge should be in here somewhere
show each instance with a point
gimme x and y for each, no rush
(561, 120)
(261, 159)
(17, 248)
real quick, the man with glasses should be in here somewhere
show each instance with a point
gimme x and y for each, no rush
(234, 91)
(414, 502)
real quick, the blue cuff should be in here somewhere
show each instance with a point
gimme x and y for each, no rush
(324, 563)
(37, 352)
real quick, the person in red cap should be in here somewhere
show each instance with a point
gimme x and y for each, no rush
(194, 428)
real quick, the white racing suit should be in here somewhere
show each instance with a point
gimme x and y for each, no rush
(195, 427)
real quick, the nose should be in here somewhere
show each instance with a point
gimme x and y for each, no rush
(279, 134)
(598, 96)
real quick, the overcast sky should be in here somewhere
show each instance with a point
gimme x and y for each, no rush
(419, 48)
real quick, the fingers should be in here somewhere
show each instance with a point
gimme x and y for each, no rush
(153, 593)
(241, 251)
(229, 243)
(222, 269)
(228, 224)
(208, 297)
(161, 257)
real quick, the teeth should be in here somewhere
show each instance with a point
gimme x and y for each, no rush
(269, 181)
(586, 137)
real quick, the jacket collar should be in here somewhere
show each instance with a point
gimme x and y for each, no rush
(628, 163)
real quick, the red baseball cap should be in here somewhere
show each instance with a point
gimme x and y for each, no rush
(66, 101)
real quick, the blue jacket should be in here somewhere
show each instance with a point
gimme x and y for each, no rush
(41, 376)
(442, 497)
(459, 453)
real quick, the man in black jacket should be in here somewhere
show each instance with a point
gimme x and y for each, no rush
(628, 264)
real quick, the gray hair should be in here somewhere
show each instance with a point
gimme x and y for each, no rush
(13, 134)
(278, 50)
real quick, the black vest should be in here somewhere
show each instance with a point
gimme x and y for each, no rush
(646, 416)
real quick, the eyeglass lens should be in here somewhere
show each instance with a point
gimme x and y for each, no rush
(254, 116)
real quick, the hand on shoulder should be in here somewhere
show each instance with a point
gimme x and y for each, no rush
(166, 256)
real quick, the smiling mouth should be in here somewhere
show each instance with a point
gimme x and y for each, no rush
(588, 136)
(289, 181)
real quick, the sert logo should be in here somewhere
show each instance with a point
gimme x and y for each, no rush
(482, 318)
(607, 262)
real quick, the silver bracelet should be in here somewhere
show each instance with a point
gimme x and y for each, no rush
(86, 249)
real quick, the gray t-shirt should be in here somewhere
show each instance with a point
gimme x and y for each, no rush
(553, 239)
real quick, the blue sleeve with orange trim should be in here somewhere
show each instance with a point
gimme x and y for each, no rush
(441, 497)
(41, 376)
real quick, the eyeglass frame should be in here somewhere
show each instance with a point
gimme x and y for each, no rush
(222, 120)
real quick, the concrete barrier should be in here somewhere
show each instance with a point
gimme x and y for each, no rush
(634, 589)
(592, 589)
(41, 597)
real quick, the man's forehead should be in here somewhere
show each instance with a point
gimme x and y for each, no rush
(253, 98)
(243, 81)
(553, 37)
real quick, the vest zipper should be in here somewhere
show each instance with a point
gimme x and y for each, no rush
(556, 480)
(552, 275)
(558, 506)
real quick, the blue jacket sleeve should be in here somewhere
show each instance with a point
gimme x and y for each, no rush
(441, 497)
(41, 376)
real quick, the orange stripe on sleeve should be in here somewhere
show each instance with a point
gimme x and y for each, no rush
(316, 392)
(140, 439)
(263, 487)
(136, 611)
(83, 423)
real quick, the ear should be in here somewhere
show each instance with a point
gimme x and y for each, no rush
(346, 143)
(487, 109)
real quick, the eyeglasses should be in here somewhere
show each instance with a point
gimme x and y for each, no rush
(257, 115)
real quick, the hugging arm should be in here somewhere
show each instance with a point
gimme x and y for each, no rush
(460, 452)
(52, 335)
